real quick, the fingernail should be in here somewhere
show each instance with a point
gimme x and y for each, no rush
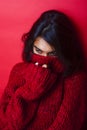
(44, 65)
(36, 63)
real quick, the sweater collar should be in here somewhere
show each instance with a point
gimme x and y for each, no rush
(53, 62)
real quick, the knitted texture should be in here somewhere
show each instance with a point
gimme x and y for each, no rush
(37, 98)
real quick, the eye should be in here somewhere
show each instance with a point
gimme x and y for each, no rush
(37, 50)
(52, 53)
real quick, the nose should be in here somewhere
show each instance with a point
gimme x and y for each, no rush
(44, 54)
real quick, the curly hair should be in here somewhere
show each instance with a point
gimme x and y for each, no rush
(58, 30)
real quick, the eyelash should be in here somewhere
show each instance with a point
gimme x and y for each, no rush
(39, 51)
(52, 54)
(49, 54)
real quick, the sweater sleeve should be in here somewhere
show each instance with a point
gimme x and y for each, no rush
(38, 81)
(12, 85)
(21, 96)
(72, 113)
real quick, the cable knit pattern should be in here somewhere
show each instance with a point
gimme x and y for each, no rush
(37, 98)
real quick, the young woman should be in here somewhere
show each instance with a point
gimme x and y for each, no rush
(47, 91)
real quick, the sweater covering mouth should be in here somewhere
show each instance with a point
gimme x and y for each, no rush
(52, 62)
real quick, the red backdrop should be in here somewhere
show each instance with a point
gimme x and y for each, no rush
(17, 16)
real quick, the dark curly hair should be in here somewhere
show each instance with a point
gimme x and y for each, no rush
(58, 30)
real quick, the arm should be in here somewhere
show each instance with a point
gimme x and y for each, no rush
(20, 99)
(73, 109)
(12, 85)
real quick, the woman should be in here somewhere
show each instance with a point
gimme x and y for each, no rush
(47, 91)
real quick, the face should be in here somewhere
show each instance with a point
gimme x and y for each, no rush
(41, 47)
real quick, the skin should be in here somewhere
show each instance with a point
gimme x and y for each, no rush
(42, 47)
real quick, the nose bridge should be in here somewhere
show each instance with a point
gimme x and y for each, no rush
(44, 54)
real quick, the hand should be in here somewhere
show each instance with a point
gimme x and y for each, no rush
(39, 79)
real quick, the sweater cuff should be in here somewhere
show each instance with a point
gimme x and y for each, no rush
(38, 81)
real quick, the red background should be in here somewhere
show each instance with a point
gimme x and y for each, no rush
(17, 16)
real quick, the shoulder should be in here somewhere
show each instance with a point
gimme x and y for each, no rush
(81, 75)
(77, 80)
(18, 68)
(19, 65)
(78, 76)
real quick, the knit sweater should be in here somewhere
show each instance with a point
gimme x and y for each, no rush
(38, 98)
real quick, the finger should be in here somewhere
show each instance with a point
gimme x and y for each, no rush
(36, 63)
(44, 66)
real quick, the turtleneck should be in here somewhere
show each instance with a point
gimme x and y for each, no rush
(53, 63)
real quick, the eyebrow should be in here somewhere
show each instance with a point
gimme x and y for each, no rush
(42, 50)
(37, 48)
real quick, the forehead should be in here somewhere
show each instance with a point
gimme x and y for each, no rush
(43, 45)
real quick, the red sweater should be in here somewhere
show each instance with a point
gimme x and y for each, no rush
(37, 98)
